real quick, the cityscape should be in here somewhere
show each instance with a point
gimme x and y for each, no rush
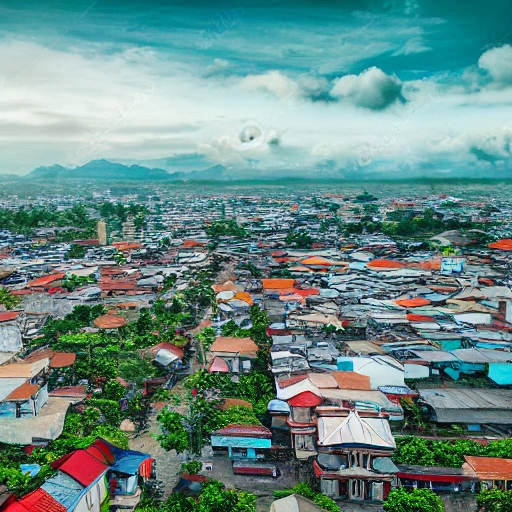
(256, 257)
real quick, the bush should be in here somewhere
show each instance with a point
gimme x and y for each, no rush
(495, 500)
(418, 500)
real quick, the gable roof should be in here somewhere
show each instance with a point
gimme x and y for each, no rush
(234, 345)
(82, 466)
(490, 468)
(37, 501)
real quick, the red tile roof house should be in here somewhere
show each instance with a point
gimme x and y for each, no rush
(83, 481)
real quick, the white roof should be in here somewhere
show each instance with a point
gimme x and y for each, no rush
(354, 430)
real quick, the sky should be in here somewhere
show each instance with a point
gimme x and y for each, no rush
(391, 87)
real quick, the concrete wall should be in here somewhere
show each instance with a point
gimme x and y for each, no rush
(465, 502)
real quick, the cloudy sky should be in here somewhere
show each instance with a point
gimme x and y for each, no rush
(391, 86)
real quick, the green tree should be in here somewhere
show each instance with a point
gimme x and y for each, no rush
(418, 500)
(300, 239)
(8, 299)
(495, 500)
(173, 436)
(76, 252)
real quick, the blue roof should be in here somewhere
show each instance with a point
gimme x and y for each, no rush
(128, 461)
(64, 489)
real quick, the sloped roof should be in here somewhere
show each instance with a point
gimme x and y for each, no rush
(354, 431)
(352, 380)
(277, 284)
(23, 370)
(383, 263)
(7, 316)
(82, 466)
(294, 503)
(413, 303)
(37, 501)
(502, 245)
(245, 431)
(46, 280)
(24, 392)
(305, 399)
(234, 345)
(110, 321)
(490, 468)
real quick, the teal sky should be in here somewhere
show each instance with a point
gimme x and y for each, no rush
(391, 86)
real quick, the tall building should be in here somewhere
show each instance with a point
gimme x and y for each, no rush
(129, 230)
(102, 232)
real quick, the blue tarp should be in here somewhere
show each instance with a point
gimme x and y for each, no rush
(128, 462)
(30, 469)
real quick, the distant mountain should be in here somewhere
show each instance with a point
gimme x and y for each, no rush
(98, 170)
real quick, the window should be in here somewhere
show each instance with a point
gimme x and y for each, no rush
(89, 501)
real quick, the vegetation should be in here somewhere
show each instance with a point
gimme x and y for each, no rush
(495, 500)
(300, 239)
(25, 220)
(418, 500)
(214, 497)
(225, 228)
(426, 452)
(76, 252)
(8, 299)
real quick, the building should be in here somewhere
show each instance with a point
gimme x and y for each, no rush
(102, 232)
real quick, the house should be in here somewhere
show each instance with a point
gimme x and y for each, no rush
(232, 355)
(492, 472)
(85, 478)
(243, 441)
(28, 412)
(354, 454)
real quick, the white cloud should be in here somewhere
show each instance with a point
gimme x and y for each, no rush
(412, 46)
(498, 63)
(273, 82)
(371, 89)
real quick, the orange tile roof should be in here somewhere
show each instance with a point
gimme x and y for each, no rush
(24, 392)
(382, 263)
(277, 284)
(502, 245)
(234, 402)
(46, 280)
(413, 303)
(6, 316)
(110, 321)
(352, 380)
(236, 345)
(490, 468)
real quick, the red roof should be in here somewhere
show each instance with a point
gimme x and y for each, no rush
(385, 264)
(305, 399)
(412, 303)
(165, 345)
(245, 431)
(46, 280)
(413, 317)
(277, 284)
(101, 451)
(490, 468)
(503, 245)
(6, 316)
(81, 466)
(37, 501)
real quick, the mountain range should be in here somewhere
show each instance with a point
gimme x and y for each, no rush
(196, 168)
